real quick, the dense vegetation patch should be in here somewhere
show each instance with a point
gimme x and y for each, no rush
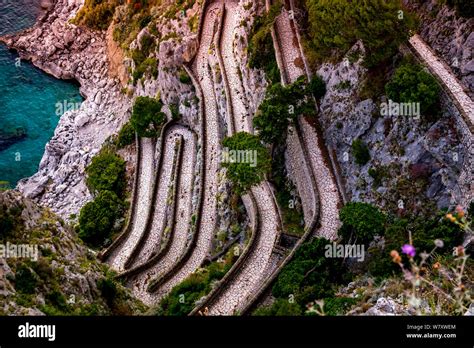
(144, 59)
(313, 276)
(361, 152)
(101, 217)
(291, 209)
(246, 159)
(336, 25)
(97, 14)
(126, 135)
(10, 217)
(361, 222)
(182, 299)
(260, 50)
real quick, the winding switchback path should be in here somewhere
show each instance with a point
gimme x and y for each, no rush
(206, 219)
(171, 214)
(249, 272)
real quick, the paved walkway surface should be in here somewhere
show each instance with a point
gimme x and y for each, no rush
(119, 256)
(328, 192)
(446, 77)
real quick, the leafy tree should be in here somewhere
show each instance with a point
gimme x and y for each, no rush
(361, 152)
(97, 218)
(106, 173)
(336, 25)
(147, 117)
(282, 105)
(412, 84)
(426, 229)
(250, 170)
(361, 222)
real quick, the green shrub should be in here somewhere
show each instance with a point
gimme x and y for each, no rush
(280, 307)
(174, 108)
(108, 289)
(147, 117)
(106, 173)
(251, 170)
(184, 77)
(361, 222)
(412, 84)
(7, 222)
(126, 135)
(182, 298)
(338, 305)
(98, 218)
(424, 231)
(317, 87)
(25, 280)
(361, 152)
(57, 300)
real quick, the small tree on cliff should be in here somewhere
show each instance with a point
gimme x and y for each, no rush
(147, 117)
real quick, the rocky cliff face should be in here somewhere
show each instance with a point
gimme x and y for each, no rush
(100, 66)
(451, 36)
(414, 164)
(63, 277)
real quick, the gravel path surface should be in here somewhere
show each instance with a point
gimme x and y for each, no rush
(183, 218)
(329, 196)
(251, 273)
(119, 256)
(438, 67)
(208, 223)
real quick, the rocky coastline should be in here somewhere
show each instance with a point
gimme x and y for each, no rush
(69, 52)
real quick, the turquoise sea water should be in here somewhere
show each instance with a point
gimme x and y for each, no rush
(28, 98)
